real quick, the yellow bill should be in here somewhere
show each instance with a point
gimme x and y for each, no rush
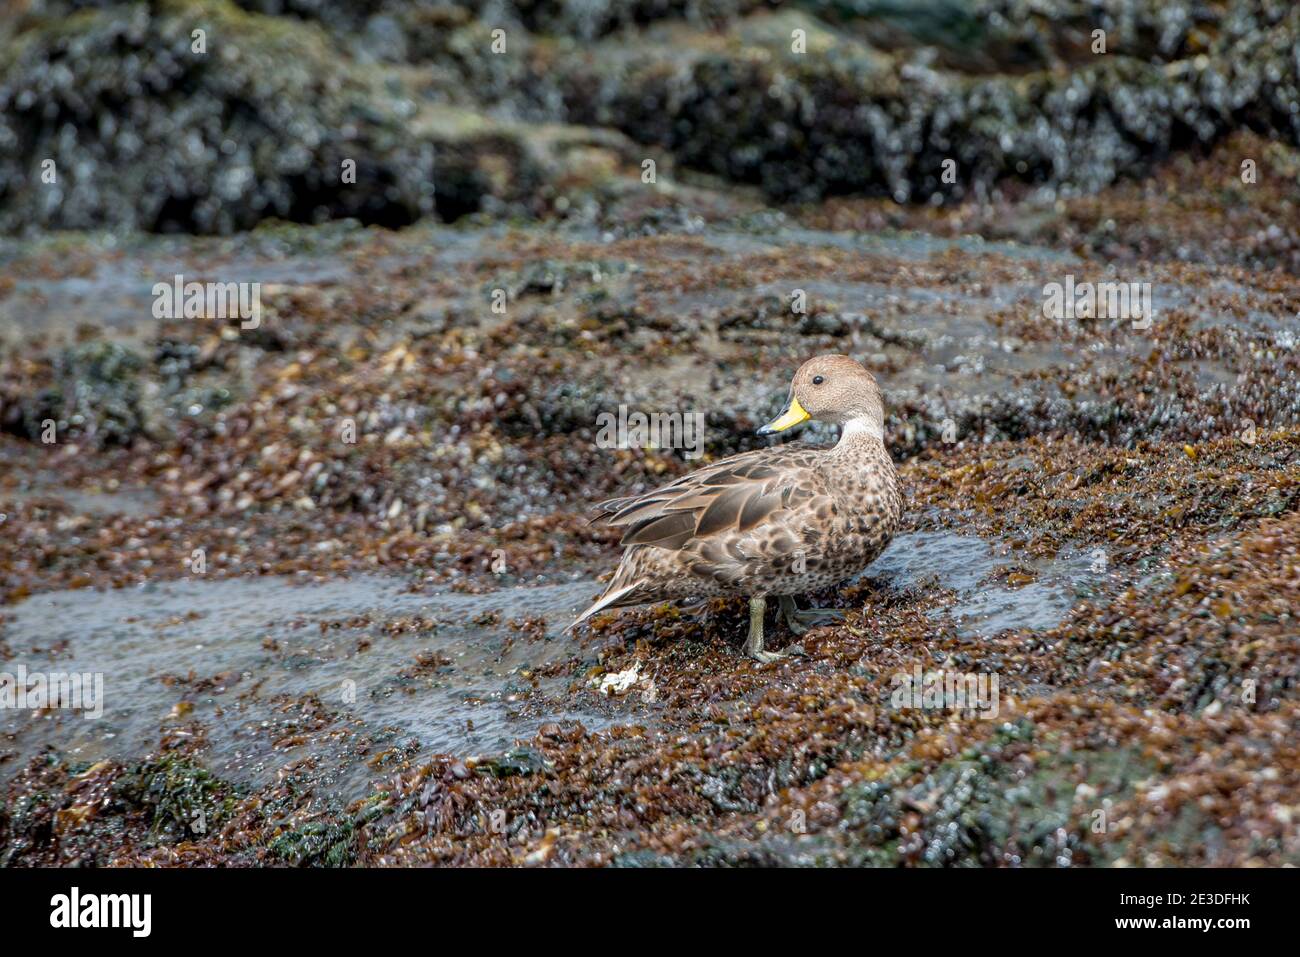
(794, 414)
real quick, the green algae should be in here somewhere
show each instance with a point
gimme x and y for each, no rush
(179, 797)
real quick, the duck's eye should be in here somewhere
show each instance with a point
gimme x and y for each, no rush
(818, 379)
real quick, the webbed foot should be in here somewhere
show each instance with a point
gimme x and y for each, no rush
(800, 622)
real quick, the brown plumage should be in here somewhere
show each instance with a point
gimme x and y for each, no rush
(775, 521)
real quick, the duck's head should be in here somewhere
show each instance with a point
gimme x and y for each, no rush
(836, 389)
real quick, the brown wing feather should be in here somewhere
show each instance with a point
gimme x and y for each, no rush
(724, 510)
(665, 531)
(757, 508)
(737, 493)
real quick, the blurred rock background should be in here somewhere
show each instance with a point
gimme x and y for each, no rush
(148, 134)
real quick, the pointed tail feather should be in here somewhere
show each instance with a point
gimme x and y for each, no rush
(604, 601)
(603, 510)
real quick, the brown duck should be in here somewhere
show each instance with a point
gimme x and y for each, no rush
(773, 522)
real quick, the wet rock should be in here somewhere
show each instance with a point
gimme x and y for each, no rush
(180, 798)
(1006, 36)
(92, 389)
(516, 761)
(319, 843)
(844, 119)
(267, 121)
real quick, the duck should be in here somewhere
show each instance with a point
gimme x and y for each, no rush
(774, 522)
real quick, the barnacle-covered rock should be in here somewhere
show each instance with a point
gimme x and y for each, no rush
(840, 117)
(126, 117)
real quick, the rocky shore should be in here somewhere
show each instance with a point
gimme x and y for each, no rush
(324, 563)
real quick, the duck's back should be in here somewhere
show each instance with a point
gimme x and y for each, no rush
(773, 521)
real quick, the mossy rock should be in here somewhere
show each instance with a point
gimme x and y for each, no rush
(148, 132)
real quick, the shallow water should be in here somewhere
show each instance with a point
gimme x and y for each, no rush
(247, 655)
(903, 245)
(117, 293)
(136, 501)
(355, 674)
(962, 563)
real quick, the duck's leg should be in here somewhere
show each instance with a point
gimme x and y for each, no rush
(800, 621)
(754, 644)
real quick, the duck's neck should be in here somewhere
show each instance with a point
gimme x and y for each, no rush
(860, 433)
